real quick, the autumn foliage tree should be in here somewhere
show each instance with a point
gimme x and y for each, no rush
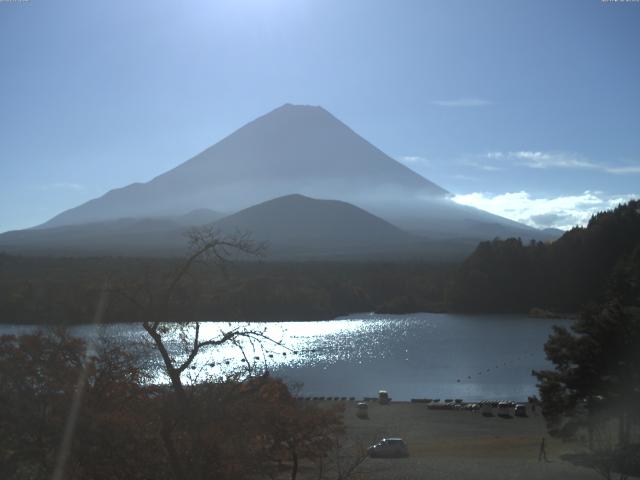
(40, 375)
(247, 427)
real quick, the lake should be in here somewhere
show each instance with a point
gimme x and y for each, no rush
(422, 355)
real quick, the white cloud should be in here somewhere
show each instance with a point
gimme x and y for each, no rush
(560, 212)
(550, 160)
(546, 160)
(63, 186)
(412, 159)
(623, 170)
(460, 176)
(482, 166)
(462, 102)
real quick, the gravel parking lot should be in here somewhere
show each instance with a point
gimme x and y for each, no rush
(460, 444)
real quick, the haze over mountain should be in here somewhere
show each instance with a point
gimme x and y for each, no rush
(299, 150)
(124, 236)
(293, 226)
(293, 149)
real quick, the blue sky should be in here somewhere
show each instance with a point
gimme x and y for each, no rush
(529, 109)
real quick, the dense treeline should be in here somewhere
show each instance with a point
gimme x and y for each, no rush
(594, 386)
(66, 290)
(500, 276)
(577, 269)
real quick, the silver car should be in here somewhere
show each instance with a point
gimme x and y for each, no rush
(389, 447)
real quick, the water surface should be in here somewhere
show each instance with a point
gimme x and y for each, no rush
(421, 355)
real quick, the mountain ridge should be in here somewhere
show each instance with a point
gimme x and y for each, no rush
(301, 149)
(306, 225)
(290, 149)
(293, 226)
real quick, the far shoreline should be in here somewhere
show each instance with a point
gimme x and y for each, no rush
(286, 319)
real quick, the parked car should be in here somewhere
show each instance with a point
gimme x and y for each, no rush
(389, 447)
(520, 410)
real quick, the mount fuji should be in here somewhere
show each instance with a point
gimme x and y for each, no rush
(294, 151)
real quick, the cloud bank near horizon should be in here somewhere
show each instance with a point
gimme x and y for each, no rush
(563, 212)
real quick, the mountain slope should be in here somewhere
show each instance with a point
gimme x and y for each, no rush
(291, 149)
(295, 224)
(305, 150)
(124, 236)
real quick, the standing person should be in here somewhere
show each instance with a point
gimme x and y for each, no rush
(543, 452)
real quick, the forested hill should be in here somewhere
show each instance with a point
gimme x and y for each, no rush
(580, 267)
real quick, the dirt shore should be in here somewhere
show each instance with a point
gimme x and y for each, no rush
(461, 445)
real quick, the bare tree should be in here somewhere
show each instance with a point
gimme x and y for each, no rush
(165, 308)
(167, 319)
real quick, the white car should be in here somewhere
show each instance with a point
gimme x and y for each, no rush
(389, 447)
